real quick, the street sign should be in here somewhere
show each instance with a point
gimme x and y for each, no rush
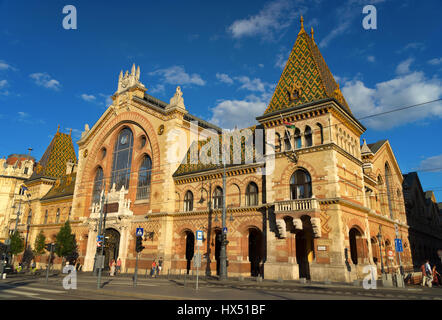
(199, 235)
(99, 238)
(140, 232)
(390, 254)
(8, 242)
(398, 245)
(197, 260)
(225, 230)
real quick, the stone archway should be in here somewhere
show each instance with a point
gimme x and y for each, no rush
(305, 247)
(256, 251)
(111, 246)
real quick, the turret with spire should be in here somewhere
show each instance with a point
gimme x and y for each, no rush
(129, 80)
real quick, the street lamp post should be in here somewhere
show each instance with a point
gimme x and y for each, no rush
(379, 236)
(224, 241)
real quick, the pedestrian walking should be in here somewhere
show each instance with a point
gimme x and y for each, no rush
(160, 265)
(118, 269)
(427, 274)
(436, 276)
(153, 270)
(112, 268)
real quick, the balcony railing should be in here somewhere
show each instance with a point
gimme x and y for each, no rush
(296, 205)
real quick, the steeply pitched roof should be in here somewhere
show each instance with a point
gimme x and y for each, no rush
(186, 167)
(374, 147)
(63, 187)
(53, 162)
(307, 70)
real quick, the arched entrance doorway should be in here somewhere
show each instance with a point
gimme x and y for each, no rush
(111, 246)
(356, 245)
(304, 247)
(190, 249)
(256, 251)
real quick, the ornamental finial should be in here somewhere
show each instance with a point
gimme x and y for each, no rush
(313, 33)
(302, 22)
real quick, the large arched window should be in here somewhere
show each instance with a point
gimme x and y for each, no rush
(388, 184)
(144, 178)
(308, 137)
(252, 194)
(300, 185)
(98, 185)
(218, 198)
(122, 159)
(188, 201)
(298, 141)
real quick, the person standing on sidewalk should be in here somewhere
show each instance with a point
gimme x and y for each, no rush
(436, 276)
(160, 266)
(112, 268)
(118, 270)
(153, 270)
(427, 274)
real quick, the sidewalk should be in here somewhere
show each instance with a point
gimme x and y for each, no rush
(181, 287)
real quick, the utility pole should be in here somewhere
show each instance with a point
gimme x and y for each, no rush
(224, 242)
(99, 256)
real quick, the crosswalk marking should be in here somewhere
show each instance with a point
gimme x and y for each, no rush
(43, 290)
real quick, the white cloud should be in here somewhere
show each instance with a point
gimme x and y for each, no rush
(281, 59)
(177, 75)
(274, 17)
(435, 61)
(22, 114)
(108, 99)
(230, 113)
(433, 164)
(5, 66)
(224, 78)
(75, 132)
(261, 65)
(252, 85)
(404, 66)
(371, 59)
(3, 83)
(88, 97)
(404, 90)
(159, 88)
(44, 80)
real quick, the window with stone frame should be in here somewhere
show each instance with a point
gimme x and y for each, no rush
(57, 216)
(46, 217)
(218, 198)
(144, 178)
(298, 140)
(300, 185)
(188, 201)
(122, 159)
(252, 194)
(308, 136)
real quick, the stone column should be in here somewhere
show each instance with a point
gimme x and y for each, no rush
(91, 249)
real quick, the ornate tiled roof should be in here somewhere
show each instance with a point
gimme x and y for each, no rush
(186, 167)
(53, 162)
(63, 187)
(306, 77)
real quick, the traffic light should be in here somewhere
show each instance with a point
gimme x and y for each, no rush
(139, 244)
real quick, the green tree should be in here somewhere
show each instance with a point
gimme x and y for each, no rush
(66, 245)
(39, 245)
(17, 243)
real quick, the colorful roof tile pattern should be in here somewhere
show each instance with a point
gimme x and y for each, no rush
(63, 187)
(306, 73)
(53, 162)
(187, 167)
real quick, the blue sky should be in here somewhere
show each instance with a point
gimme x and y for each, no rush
(227, 56)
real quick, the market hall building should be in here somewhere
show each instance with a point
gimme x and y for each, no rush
(317, 215)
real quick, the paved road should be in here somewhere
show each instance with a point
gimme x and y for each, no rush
(121, 288)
